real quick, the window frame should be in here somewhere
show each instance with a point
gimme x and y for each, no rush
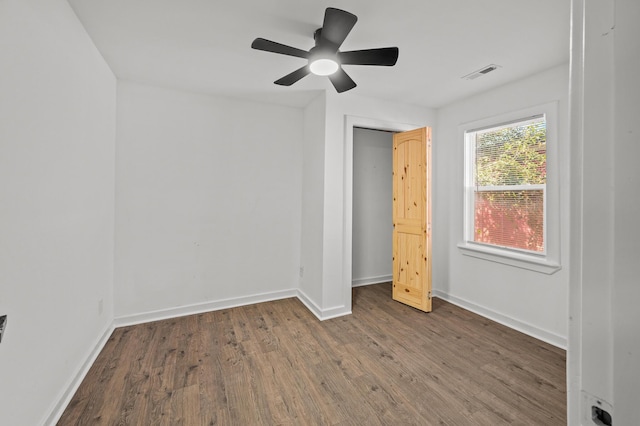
(548, 261)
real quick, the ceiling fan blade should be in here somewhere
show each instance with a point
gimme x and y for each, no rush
(283, 49)
(385, 56)
(291, 78)
(341, 81)
(337, 25)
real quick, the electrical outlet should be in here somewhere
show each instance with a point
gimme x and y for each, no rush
(301, 271)
(100, 306)
(3, 325)
(596, 411)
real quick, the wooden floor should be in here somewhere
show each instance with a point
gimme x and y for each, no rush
(275, 364)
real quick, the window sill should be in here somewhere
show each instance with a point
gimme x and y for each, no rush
(520, 260)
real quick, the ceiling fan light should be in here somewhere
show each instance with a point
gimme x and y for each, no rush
(323, 66)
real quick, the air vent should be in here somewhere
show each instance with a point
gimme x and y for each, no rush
(482, 71)
(3, 324)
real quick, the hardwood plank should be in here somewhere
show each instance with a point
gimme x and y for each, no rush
(275, 364)
(104, 405)
(213, 398)
(158, 411)
(88, 393)
(185, 406)
(187, 353)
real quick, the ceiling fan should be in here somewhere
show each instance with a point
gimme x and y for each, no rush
(325, 58)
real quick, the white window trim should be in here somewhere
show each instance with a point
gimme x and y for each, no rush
(548, 262)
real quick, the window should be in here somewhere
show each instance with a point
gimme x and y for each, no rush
(508, 179)
(506, 195)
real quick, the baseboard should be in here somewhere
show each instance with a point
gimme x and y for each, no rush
(310, 304)
(216, 305)
(371, 280)
(198, 308)
(335, 312)
(322, 314)
(63, 400)
(523, 327)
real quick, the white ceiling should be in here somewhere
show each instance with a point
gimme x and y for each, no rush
(204, 45)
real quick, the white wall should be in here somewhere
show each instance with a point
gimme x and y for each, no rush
(208, 200)
(57, 138)
(312, 203)
(592, 248)
(533, 302)
(372, 212)
(604, 351)
(626, 291)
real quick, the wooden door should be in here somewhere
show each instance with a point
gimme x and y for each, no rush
(412, 218)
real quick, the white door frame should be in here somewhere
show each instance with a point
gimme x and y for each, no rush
(367, 123)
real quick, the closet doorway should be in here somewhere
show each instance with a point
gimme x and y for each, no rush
(372, 208)
(393, 168)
